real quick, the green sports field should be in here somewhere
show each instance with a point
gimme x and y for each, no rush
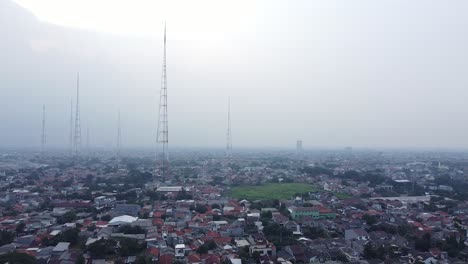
(271, 191)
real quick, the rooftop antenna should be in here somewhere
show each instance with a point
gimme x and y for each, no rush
(119, 134)
(228, 133)
(70, 137)
(163, 129)
(77, 142)
(43, 136)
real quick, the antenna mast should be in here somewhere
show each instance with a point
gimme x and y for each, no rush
(70, 137)
(119, 135)
(77, 117)
(163, 129)
(228, 134)
(43, 136)
(87, 138)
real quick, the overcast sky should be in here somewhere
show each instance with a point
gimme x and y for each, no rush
(332, 73)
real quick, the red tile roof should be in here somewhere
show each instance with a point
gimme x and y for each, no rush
(166, 259)
(158, 214)
(222, 240)
(194, 258)
(212, 259)
(101, 223)
(153, 251)
(213, 234)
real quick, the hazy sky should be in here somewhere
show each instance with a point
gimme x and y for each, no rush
(332, 73)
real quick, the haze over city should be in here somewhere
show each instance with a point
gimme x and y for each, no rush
(233, 132)
(331, 73)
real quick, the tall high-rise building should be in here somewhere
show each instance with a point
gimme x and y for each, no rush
(299, 146)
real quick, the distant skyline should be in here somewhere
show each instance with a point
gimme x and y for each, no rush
(366, 74)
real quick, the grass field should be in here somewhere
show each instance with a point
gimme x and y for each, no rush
(342, 195)
(271, 191)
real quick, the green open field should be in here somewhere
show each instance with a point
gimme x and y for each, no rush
(342, 195)
(271, 191)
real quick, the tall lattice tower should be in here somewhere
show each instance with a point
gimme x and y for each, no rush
(119, 134)
(43, 135)
(163, 128)
(77, 139)
(228, 133)
(87, 138)
(70, 136)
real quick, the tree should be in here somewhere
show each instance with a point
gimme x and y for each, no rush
(68, 217)
(423, 243)
(89, 178)
(91, 227)
(183, 195)
(17, 258)
(203, 249)
(256, 256)
(6, 237)
(80, 260)
(143, 260)
(70, 235)
(130, 246)
(102, 248)
(199, 208)
(267, 215)
(106, 218)
(20, 227)
(217, 179)
(351, 174)
(244, 254)
(381, 252)
(46, 205)
(211, 245)
(314, 232)
(404, 230)
(153, 195)
(250, 228)
(145, 215)
(129, 195)
(128, 229)
(316, 171)
(370, 219)
(452, 246)
(369, 251)
(279, 235)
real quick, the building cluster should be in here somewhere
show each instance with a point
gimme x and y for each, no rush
(363, 209)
